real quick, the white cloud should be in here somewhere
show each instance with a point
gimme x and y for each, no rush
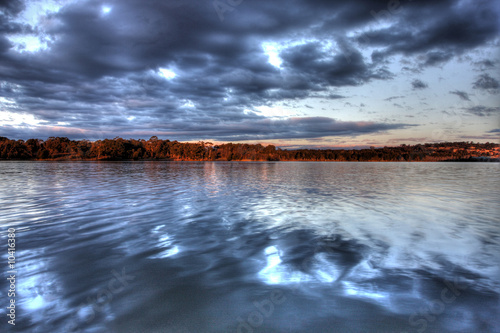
(27, 43)
(272, 50)
(16, 119)
(166, 73)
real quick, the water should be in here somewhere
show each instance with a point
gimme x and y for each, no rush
(252, 247)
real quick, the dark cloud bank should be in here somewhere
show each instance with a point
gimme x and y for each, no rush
(99, 77)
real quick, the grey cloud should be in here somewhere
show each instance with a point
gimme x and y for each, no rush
(392, 97)
(483, 111)
(437, 57)
(462, 94)
(485, 82)
(418, 84)
(324, 69)
(4, 44)
(485, 64)
(435, 34)
(328, 96)
(258, 128)
(11, 7)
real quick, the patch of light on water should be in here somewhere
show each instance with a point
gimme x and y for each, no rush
(270, 273)
(391, 297)
(39, 291)
(164, 241)
(324, 270)
(363, 271)
(167, 253)
(275, 272)
(361, 291)
(37, 303)
(157, 228)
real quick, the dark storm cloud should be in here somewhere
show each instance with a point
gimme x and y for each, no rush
(497, 130)
(483, 111)
(436, 31)
(418, 84)
(4, 44)
(102, 70)
(8, 10)
(462, 94)
(11, 7)
(321, 69)
(486, 82)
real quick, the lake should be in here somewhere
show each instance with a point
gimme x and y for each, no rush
(251, 247)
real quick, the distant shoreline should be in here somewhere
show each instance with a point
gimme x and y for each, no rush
(474, 160)
(154, 149)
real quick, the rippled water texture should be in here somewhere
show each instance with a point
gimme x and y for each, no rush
(252, 247)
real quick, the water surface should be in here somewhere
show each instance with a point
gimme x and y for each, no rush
(253, 247)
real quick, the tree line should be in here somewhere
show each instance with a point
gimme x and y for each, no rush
(62, 148)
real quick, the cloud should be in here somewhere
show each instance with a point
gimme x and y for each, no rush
(11, 7)
(328, 96)
(392, 97)
(259, 128)
(497, 130)
(486, 82)
(436, 33)
(295, 128)
(486, 137)
(462, 94)
(483, 111)
(5, 45)
(399, 140)
(418, 84)
(319, 68)
(485, 64)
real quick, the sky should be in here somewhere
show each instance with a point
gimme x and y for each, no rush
(292, 73)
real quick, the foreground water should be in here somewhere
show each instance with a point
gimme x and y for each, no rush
(252, 247)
